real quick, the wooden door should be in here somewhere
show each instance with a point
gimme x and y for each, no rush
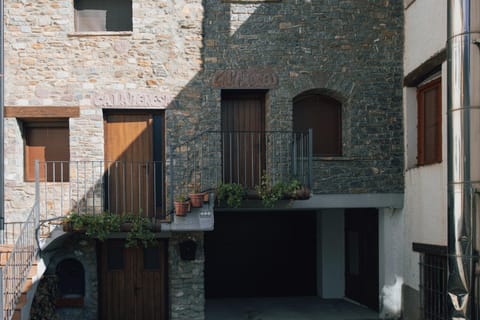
(243, 127)
(128, 156)
(361, 256)
(133, 281)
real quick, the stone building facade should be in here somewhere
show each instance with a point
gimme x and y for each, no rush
(179, 58)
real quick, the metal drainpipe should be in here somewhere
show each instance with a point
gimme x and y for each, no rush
(2, 155)
(463, 104)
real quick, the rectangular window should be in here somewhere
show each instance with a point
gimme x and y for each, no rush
(115, 254)
(433, 280)
(48, 142)
(429, 100)
(103, 15)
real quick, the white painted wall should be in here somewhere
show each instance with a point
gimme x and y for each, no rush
(332, 242)
(425, 31)
(391, 242)
(425, 204)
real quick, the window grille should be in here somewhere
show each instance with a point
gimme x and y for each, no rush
(433, 281)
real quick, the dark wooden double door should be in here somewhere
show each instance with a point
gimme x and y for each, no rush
(133, 281)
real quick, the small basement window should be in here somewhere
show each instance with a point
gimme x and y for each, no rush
(48, 142)
(71, 283)
(103, 15)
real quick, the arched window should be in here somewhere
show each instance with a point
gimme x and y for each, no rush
(71, 283)
(324, 115)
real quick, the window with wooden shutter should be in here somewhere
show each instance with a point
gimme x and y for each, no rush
(47, 142)
(103, 15)
(429, 100)
(324, 115)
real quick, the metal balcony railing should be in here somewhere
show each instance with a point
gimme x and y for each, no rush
(243, 157)
(97, 186)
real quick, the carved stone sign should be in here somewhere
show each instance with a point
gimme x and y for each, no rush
(129, 99)
(245, 79)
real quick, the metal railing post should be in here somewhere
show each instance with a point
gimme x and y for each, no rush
(310, 155)
(171, 195)
(2, 292)
(37, 194)
(294, 155)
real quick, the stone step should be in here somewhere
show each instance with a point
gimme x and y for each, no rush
(5, 250)
(26, 288)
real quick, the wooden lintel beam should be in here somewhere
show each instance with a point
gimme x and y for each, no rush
(41, 112)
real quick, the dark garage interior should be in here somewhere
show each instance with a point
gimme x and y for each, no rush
(261, 254)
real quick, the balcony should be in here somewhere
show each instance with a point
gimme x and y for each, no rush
(246, 158)
(149, 188)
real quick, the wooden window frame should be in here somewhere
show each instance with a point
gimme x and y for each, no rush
(101, 16)
(39, 152)
(422, 158)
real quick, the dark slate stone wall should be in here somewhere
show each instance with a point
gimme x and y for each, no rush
(186, 282)
(349, 49)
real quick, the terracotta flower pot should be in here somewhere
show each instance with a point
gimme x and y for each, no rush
(196, 199)
(181, 207)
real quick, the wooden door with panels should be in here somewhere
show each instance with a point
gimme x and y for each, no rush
(133, 161)
(133, 281)
(243, 127)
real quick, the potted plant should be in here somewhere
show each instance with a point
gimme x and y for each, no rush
(182, 205)
(230, 194)
(196, 197)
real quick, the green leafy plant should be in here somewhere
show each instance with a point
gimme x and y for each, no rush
(95, 225)
(270, 193)
(231, 194)
(181, 197)
(101, 225)
(140, 232)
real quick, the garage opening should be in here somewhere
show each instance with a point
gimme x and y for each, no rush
(261, 254)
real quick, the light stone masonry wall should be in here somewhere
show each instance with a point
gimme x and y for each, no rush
(48, 64)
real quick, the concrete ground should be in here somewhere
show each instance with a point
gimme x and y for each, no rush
(290, 308)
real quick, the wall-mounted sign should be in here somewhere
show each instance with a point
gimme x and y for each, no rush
(132, 99)
(245, 79)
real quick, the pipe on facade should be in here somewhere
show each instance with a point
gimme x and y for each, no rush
(2, 135)
(463, 117)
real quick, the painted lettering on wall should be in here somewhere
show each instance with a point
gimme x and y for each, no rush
(127, 99)
(245, 79)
